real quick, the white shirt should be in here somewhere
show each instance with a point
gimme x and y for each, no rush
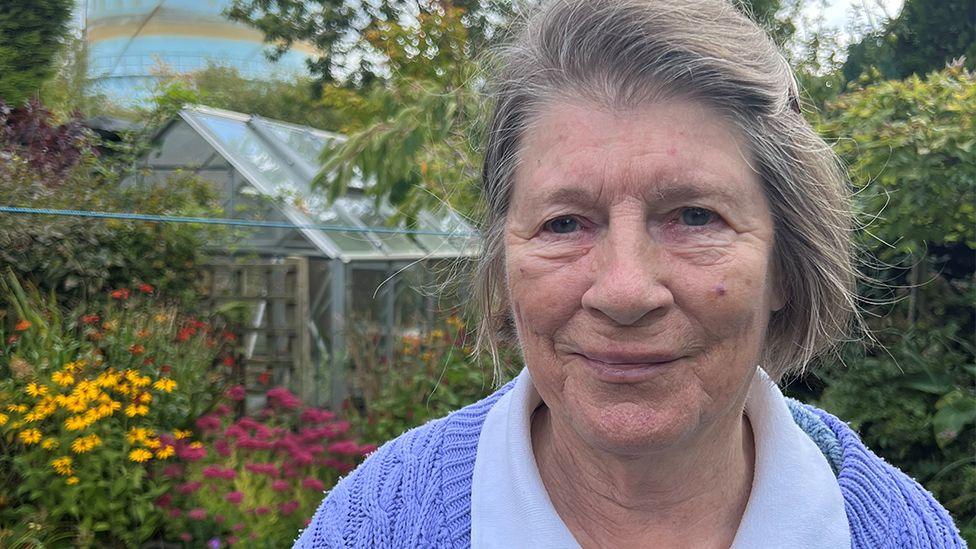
(795, 501)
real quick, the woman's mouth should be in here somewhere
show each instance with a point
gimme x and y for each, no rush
(627, 367)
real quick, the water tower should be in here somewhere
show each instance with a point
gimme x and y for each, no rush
(132, 41)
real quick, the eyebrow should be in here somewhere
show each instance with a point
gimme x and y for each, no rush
(689, 187)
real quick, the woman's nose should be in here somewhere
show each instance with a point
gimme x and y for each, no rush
(630, 281)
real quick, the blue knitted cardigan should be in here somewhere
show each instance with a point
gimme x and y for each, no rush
(415, 491)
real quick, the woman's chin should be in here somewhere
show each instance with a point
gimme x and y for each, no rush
(632, 429)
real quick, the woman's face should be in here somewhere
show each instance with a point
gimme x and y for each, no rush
(638, 252)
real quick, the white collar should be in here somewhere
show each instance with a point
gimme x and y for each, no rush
(795, 501)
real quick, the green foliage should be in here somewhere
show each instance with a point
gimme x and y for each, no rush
(31, 32)
(924, 37)
(79, 257)
(430, 376)
(86, 400)
(337, 29)
(911, 150)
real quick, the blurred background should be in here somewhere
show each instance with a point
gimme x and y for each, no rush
(234, 233)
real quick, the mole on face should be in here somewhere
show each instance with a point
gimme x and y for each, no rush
(720, 290)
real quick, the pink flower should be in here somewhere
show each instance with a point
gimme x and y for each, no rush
(197, 514)
(302, 457)
(253, 444)
(236, 392)
(214, 471)
(288, 507)
(280, 485)
(231, 540)
(175, 513)
(237, 527)
(221, 410)
(185, 536)
(337, 428)
(344, 447)
(283, 398)
(189, 453)
(235, 431)
(262, 468)
(234, 497)
(208, 423)
(367, 449)
(262, 510)
(164, 500)
(316, 415)
(222, 447)
(313, 483)
(188, 488)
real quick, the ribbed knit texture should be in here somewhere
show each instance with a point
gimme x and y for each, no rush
(415, 491)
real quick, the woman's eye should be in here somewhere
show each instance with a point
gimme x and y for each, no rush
(696, 217)
(562, 225)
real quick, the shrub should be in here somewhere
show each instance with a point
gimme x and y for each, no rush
(87, 401)
(432, 374)
(256, 480)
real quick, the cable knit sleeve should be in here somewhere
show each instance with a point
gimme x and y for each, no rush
(388, 501)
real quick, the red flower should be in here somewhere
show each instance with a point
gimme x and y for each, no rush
(164, 500)
(234, 497)
(185, 536)
(229, 337)
(22, 325)
(236, 392)
(90, 319)
(264, 378)
(185, 333)
(121, 294)
(166, 368)
(208, 423)
(228, 361)
(262, 510)
(145, 288)
(136, 349)
(148, 361)
(288, 507)
(280, 485)
(313, 483)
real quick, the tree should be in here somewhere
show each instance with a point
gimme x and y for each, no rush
(911, 150)
(337, 29)
(924, 37)
(31, 34)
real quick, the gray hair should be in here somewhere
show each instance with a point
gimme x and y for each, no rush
(620, 54)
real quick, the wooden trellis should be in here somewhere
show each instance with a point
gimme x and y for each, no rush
(276, 341)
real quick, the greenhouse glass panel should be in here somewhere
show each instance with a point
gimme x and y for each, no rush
(365, 210)
(181, 146)
(306, 143)
(321, 213)
(247, 147)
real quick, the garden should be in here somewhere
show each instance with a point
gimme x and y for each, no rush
(127, 416)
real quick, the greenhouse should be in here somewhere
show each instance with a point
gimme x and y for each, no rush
(312, 270)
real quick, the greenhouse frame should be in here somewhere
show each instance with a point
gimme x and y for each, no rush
(313, 269)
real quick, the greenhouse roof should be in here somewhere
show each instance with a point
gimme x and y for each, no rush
(280, 160)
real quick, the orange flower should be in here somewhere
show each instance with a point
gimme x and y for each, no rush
(136, 349)
(142, 334)
(22, 325)
(145, 288)
(90, 319)
(121, 294)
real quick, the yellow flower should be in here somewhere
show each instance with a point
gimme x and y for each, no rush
(145, 398)
(62, 465)
(50, 443)
(35, 390)
(21, 408)
(72, 480)
(108, 380)
(62, 378)
(196, 445)
(165, 452)
(139, 434)
(165, 384)
(179, 435)
(85, 444)
(134, 410)
(30, 436)
(4, 418)
(153, 443)
(75, 423)
(75, 366)
(140, 455)
(142, 381)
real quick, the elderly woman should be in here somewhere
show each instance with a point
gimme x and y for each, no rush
(666, 237)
